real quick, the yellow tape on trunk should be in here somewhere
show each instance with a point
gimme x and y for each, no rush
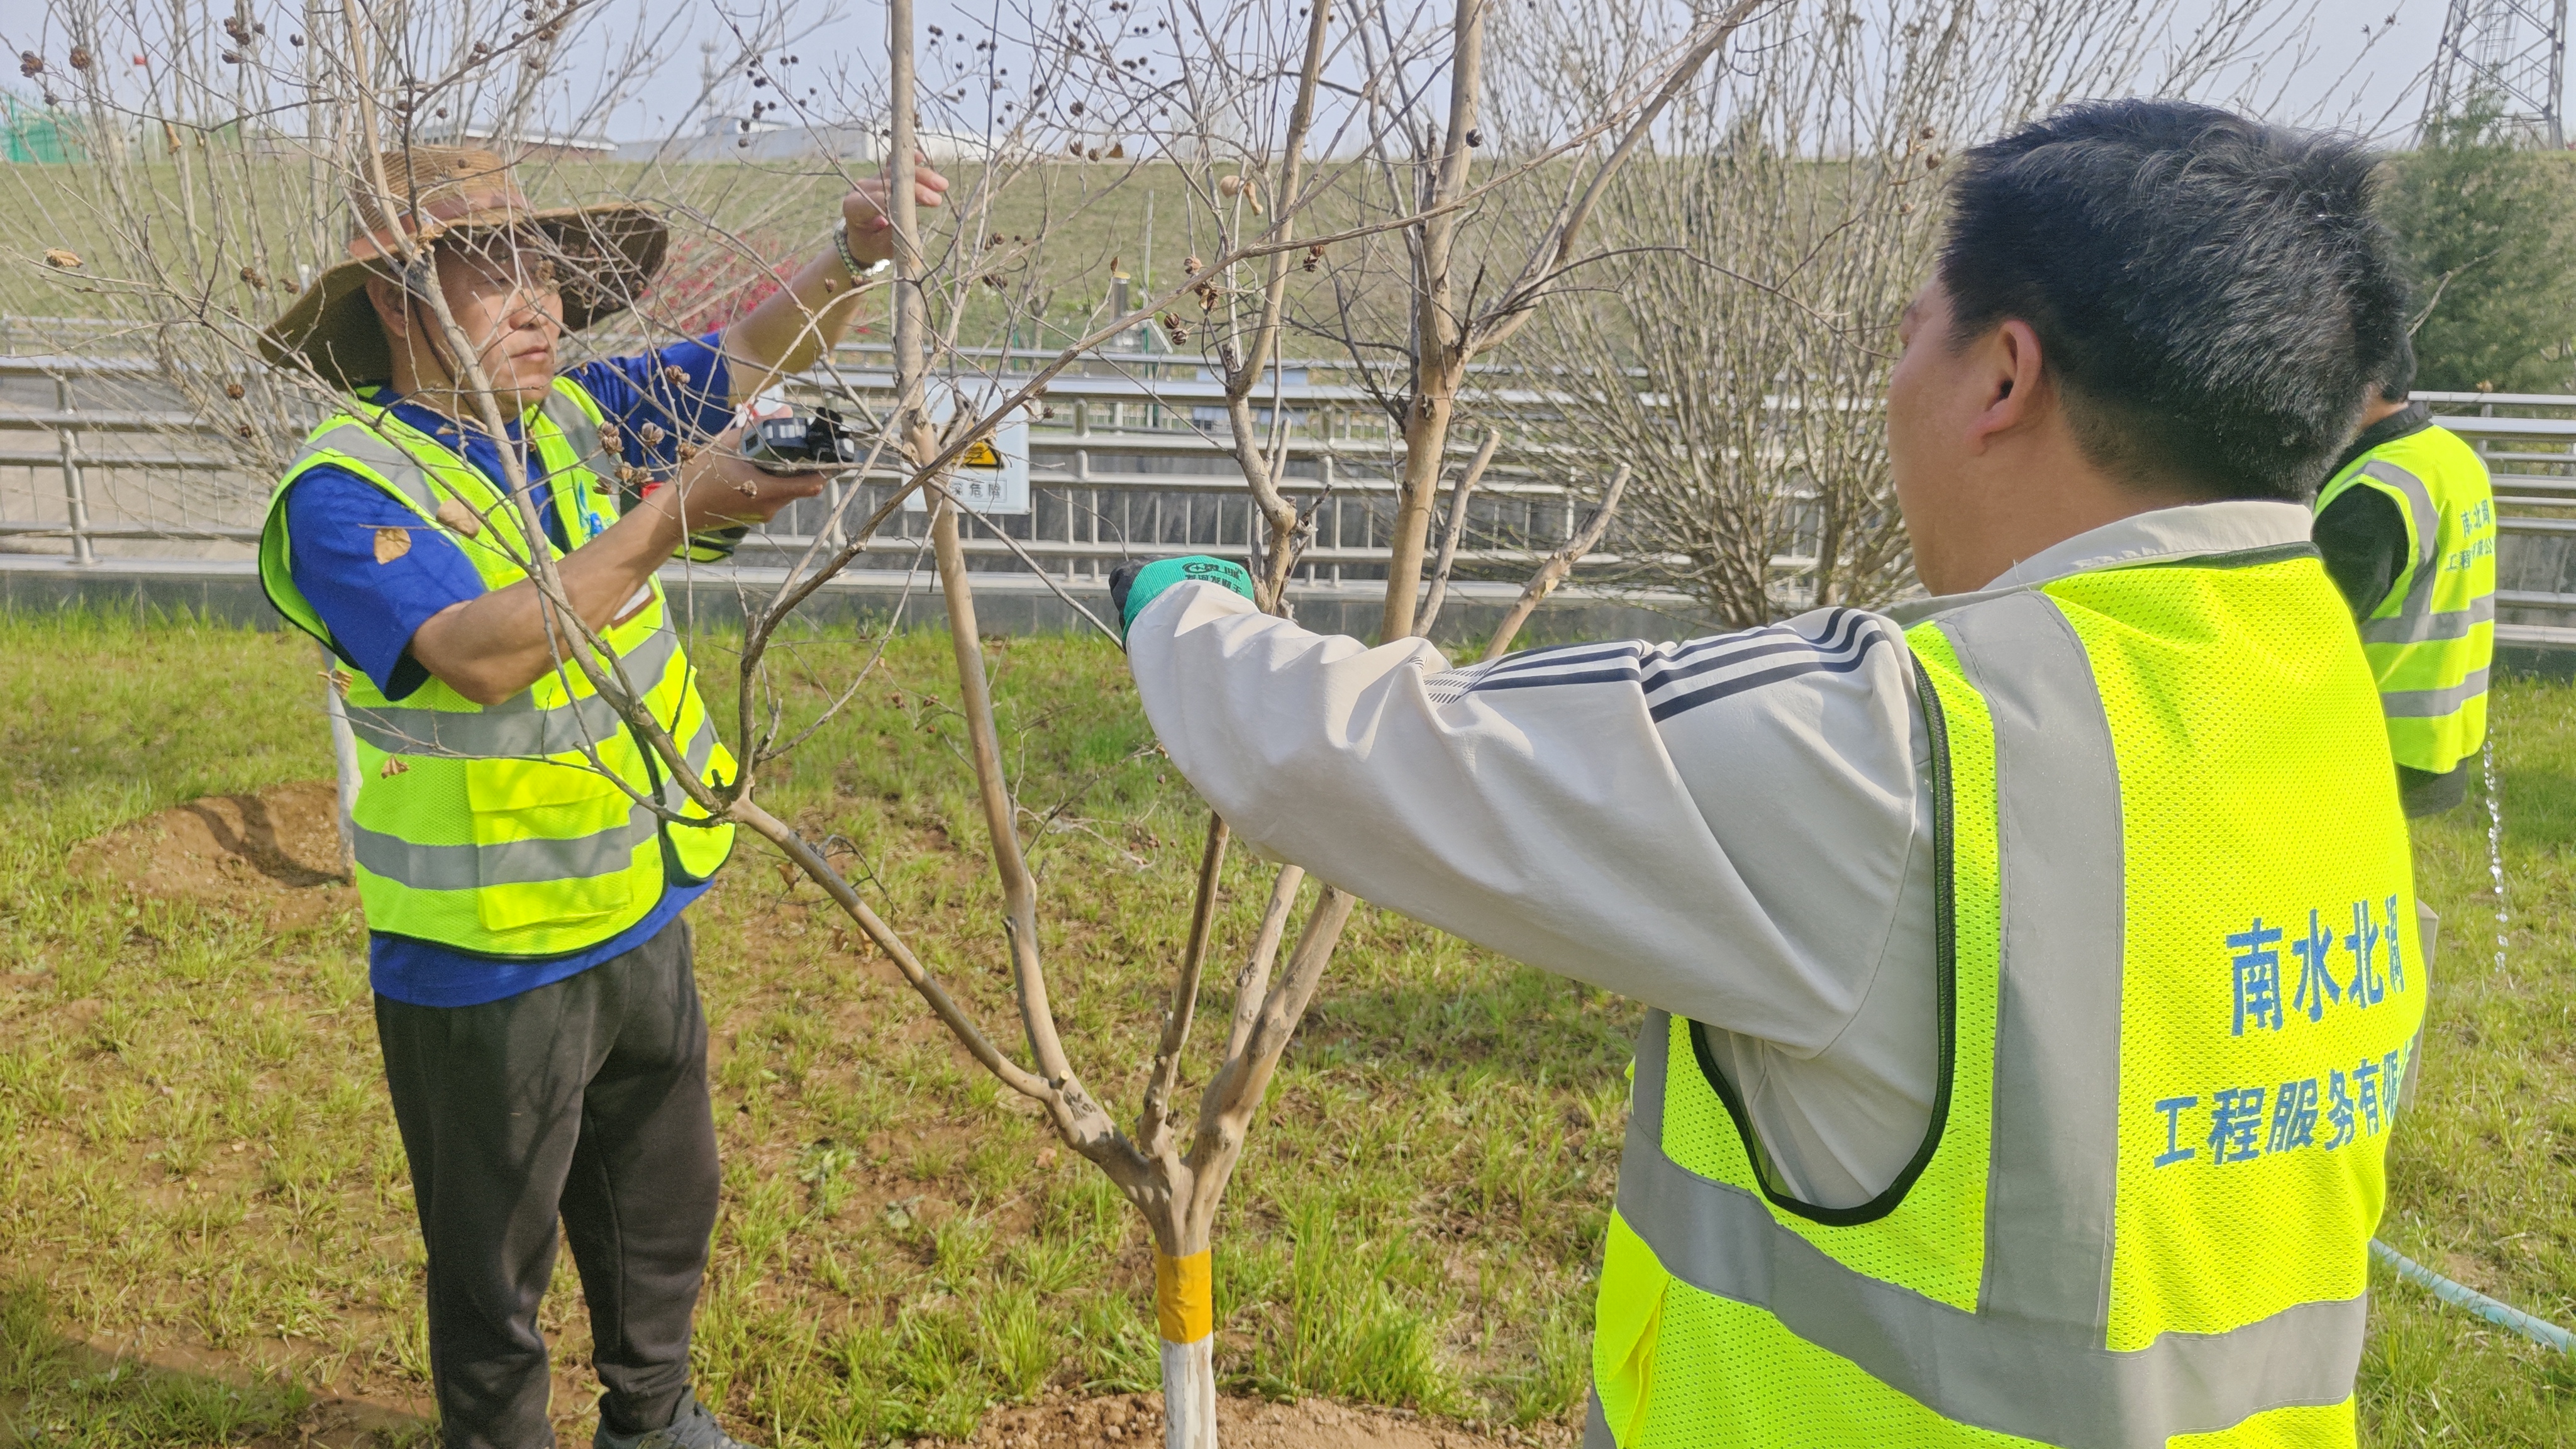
(1184, 1298)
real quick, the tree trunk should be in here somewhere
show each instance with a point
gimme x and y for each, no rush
(1829, 547)
(1185, 1318)
(1426, 444)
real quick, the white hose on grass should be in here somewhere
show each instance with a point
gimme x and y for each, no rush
(2503, 1315)
(2495, 845)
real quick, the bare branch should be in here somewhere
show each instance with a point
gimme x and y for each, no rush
(1232, 1098)
(1558, 565)
(1457, 530)
(1153, 1123)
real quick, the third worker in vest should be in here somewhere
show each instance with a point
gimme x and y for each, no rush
(544, 1045)
(2030, 973)
(2407, 527)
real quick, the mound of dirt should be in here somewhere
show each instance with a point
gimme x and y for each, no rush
(1135, 1421)
(275, 852)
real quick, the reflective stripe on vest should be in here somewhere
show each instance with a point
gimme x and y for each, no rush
(2434, 703)
(2156, 1157)
(516, 726)
(520, 829)
(2431, 640)
(529, 862)
(1988, 1368)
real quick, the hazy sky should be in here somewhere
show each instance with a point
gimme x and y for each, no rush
(2325, 88)
(2328, 87)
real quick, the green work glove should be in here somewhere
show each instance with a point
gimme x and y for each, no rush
(1134, 585)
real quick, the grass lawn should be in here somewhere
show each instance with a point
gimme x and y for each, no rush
(205, 1223)
(197, 1162)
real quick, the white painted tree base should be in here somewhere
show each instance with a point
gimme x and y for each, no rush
(1189, 1394)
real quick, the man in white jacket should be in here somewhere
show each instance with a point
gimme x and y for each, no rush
(2134, 363)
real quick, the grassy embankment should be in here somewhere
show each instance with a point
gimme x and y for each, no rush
(1062, 224)
(197, 1166)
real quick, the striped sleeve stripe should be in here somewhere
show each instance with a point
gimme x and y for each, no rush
(1625, 672)
(1560, 656)
(1677, 678)
(1636, 654)
(1666, 709)
(1842, 628)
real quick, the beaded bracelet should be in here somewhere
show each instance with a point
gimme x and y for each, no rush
(850, 259)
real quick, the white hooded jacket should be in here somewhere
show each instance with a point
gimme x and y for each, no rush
(1735, 829)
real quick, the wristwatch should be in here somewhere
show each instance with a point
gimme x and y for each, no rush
(859, 272)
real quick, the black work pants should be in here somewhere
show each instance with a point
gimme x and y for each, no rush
(586, 1099)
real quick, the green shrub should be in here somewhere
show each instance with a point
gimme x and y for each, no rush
(2489, 230)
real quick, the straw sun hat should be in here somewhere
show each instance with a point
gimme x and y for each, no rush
(604, 255)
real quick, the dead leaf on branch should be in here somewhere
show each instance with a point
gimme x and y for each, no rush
(392, 543)
(62, 260)
(459, 518)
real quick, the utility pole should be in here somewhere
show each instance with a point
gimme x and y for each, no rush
(2506, 56)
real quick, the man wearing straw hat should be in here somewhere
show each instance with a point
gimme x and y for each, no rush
(543, 1041)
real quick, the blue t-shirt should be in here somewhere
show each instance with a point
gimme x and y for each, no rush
(372, 609)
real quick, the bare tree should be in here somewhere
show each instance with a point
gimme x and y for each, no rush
(1467, 288)
(1734, 346)
(1177, 1183)
(1294, 245)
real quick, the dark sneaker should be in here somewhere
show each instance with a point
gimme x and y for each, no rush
(694, 1429)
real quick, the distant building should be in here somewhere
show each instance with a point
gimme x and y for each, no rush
(521, 145)
(739, 138)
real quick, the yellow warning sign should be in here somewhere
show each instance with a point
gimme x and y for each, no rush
(981, 454)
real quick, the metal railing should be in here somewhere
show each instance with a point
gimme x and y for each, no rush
(1126, 463)
(99, 459)
(2529, 444)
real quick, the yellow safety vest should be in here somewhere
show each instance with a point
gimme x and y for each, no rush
(508, 831)
(2431, 640)
(2178, 976)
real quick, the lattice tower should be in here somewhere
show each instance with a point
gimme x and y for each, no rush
(2509, 55)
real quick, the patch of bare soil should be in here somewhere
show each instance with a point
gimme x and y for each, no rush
(1135, 1421)
(274, 852)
